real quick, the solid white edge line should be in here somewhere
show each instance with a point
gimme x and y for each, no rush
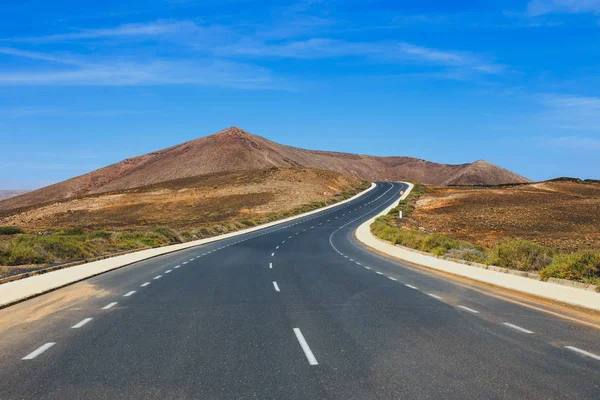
(435, 296)
(129, 293)
(38, 351)
(109, 306)
(469, 309)
(307, 351)
(518, 328)
(276, 286)
(583, 352)
(81, 323)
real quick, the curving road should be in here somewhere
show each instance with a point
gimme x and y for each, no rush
(300, 311)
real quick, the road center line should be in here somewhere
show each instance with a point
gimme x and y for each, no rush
(129, 294)
(39, 351)
(583, 352)
(518, 328)
(81, 323)
(469, 309)
(276, 286)
(307, 351)
(109, 306)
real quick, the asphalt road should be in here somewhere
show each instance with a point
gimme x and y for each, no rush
(300, 311)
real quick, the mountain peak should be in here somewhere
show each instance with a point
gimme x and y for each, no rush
(233, 131)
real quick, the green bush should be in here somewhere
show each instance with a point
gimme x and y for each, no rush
(74, 232)
(10, 230)
(523, 255)
(580, 266)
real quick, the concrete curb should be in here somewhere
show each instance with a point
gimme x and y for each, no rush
(549, 290)
(23, 289)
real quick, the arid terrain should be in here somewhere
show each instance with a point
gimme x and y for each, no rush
(6, 194)
(188, 202)
(560, 214)
(235, 149)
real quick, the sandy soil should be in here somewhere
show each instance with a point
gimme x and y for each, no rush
(564, 215)
(188, 202)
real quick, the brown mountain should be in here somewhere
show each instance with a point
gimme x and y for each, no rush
(5, 194)
(233, 149)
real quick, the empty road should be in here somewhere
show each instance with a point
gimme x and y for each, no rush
(298, 311)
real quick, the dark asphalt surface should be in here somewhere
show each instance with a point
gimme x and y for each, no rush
(216, 328)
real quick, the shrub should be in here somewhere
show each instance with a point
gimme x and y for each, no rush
(168, 233)
(74, 232)
(581, 266)
(10, 230)
(522, 255)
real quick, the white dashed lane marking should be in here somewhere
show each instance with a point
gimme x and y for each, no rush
(435, 296)
(129, 294)
(307, 351)
(81, 323)
(583, 352)
(145, 284)
(469, 309)
(411, 286)
(276, 286)
(39, 351)
(109, 306)
(518, 328)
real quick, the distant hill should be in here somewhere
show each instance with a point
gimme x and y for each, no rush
(235, 149)
(5, 194)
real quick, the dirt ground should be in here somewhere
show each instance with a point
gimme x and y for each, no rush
(563, 215)
(188, 202)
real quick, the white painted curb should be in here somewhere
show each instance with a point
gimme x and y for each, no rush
(564, 294)
(15, 291)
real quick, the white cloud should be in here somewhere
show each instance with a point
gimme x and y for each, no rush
(149, 72)
(320, 48)
(9, 51)
(542, 7)
(577, 142)
(571, 112)
(152, 29)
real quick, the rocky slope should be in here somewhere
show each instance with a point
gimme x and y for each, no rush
(234, 149)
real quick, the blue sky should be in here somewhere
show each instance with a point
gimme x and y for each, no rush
(86, 84)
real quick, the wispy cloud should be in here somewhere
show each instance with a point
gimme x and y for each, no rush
(144, 30)
(571, 112)
(41, 111)
(111, 72)
(8, 51)
(542, 7)
(576, 143)
(319, 48)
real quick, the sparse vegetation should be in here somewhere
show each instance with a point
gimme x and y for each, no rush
(77, 243)
(518, 254)
(10, 230)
